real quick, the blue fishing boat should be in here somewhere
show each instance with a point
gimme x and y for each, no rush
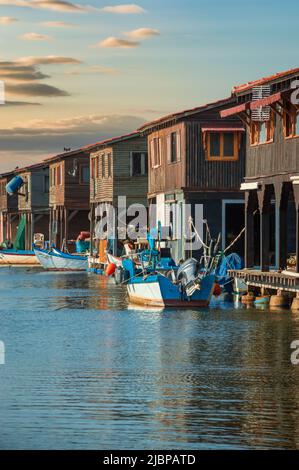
(185, 287)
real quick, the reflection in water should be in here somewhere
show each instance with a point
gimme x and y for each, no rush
(85, 370)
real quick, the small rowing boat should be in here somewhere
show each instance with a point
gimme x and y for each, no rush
(57, 260)
(13, 257)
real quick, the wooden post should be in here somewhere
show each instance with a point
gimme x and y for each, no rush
(281, 205)
(297, 238)
(249, 239)
(91, 226)
(265, 229)
(264, 206)
(66, 225)
(249, 234)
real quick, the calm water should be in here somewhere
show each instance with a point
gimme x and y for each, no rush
(85, 371)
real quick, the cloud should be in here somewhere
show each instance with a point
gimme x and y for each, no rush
(35, 37)
(142, 33)
(117, 43)
(34, 89)
(57, 24)
(48, 60)
(22, 77)
(56, 5)
(7, 20)
(32, 141)
(94, 69)
(124, 9)
(20, 103)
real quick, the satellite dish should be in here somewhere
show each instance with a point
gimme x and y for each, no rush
(74, 171)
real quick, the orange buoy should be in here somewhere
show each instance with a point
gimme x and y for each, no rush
(110, 270)
(217, 290)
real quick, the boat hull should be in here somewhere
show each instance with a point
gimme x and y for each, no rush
(60, 261)
(18, 258)
(158, 291)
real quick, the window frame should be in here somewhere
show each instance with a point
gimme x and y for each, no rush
(81, 182)
(143, 163)
(221, 157)
(293, 114)
(255, 131)
(156, 157)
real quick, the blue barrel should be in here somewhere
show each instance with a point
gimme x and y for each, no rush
(14, 185)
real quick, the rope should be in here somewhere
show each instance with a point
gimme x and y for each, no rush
(197, 234)
(234, 241)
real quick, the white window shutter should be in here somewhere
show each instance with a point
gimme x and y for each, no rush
(131, 163)
(152, 150)
(169, 148)
(178, 146)
(160, 152)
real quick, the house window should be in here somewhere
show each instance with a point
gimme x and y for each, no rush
(223, 146)
(84, 174)
(262, 132)
(93, 167)
(297, 124)
(139, 164)
(173, 147)
(103, 167)
(290, 121)
(109, 157)
(156, 152)
(59, 175)
(46, 183)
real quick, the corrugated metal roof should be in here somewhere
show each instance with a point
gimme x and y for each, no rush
(261, 81)
(112, 140)
(186, 113)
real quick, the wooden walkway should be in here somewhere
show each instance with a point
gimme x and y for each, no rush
(270, 280)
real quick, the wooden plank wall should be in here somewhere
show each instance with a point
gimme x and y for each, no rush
(71, 193)
(169, 176)
(211, 175)
(135, 188)
(101, 189)
(281, 156)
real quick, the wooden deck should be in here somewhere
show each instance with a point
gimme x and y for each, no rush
(284, 281)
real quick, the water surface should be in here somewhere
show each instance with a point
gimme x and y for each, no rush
(86, 371)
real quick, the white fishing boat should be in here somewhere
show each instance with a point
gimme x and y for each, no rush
(13, 257)
(59, 261)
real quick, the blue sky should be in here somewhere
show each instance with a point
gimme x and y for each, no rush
(178, 54)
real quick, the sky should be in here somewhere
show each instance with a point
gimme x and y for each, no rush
(75, 73)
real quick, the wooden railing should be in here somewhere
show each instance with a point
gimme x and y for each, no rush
(271, 280)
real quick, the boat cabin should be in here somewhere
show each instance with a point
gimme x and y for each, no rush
(69, 197)
(196, 166)
(269, 107)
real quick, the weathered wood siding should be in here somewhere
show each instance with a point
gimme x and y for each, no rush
(56, 191)
(76, 194)
(194, 170)
(168, 176)
(24, 201)
(121, 183)
(280, 156)
(101, 189)
(72, 192)
(7, 203)
(211, 175)
(39, 192)
(135, 188)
